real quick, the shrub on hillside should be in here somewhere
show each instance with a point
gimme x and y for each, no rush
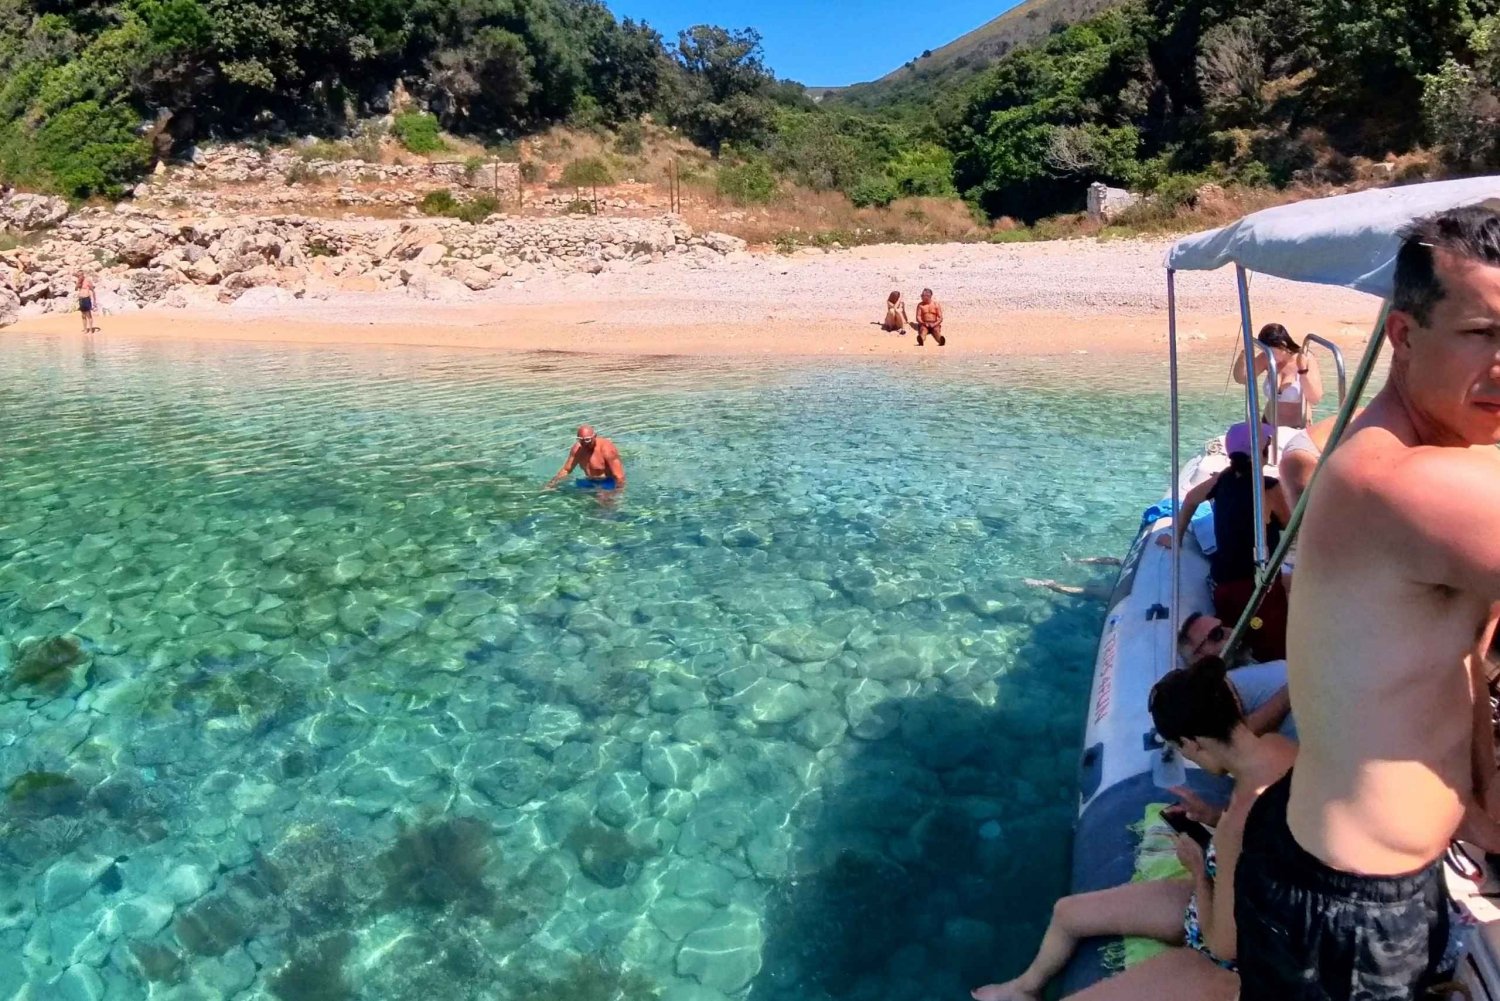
(438, 203)
(442, 203)
(876, 190)
(747, 183)
(586, 172)
(631, 138)
(418, 132)
(82, 151)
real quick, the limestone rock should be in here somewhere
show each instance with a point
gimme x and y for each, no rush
(1105, 203)
(22, 212)
(10, 307)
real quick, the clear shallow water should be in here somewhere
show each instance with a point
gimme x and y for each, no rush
(355, 711)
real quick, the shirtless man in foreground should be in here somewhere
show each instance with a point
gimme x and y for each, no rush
(1339, 892)
(929, 319)
(600, 461)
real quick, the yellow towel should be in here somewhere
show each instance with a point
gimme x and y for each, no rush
(1155, 858)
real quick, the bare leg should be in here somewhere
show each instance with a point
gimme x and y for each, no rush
(1177, 973)
(1152, 909)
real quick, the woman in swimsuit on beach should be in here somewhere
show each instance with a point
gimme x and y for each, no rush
(1196, 711)
(895, 314)
(1299, 383)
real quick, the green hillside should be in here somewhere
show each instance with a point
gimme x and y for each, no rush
(950, 68)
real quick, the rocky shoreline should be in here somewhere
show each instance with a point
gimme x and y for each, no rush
(150, 257)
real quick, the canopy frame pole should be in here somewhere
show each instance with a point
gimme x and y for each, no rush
(1252, 406)
(1176, 608)
(1266, 576)
(1338, 364)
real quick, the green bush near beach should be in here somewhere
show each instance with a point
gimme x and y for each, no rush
(418, 132)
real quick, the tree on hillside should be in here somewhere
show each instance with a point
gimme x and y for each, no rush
(725, 86)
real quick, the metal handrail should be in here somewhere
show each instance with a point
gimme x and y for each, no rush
(1176, 612)
(1252, 406)
(1273, 406)
(1266, 576)
(1338, 362)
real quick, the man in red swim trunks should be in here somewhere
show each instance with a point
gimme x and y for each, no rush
(929, 319)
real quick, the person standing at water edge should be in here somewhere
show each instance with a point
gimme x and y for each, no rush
(1340, 892)
(85, 286)
(930, 319)
(600, 460)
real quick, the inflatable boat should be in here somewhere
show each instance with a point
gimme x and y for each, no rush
(1125, 771)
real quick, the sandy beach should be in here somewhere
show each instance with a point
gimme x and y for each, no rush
(1022, 299)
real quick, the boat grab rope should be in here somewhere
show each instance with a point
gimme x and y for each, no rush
(1266, 574)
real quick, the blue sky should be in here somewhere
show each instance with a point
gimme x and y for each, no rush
(826, 42)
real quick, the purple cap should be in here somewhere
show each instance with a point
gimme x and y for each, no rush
(1237, 439)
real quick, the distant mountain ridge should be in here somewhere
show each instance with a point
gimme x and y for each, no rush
(964, 58)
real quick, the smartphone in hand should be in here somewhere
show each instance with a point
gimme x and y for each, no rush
(1178, 820)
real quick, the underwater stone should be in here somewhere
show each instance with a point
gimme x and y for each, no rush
(697, 726)
(670, 697)
(872, 714)
(677, 917)
(498, 630)
(820, 728)
(891, 665)
(46, 663)
(549, 727)
(69, 879)
(393, 625)
(769, 853)
(275, 626)
(696, 879)
(212, 926)
(186, 883)
(801, 644)
(673, 805)
(671, 765)
(768, 700)
(79, 983)
(514, 775)
(692, 992)
(142, 917)
(622, 798)
(725, 953)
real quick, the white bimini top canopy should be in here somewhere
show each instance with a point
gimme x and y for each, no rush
(1346, 240)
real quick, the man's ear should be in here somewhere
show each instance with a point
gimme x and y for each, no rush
(1399, 325)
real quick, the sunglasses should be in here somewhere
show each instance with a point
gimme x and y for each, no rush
(585, 441)
(1215, 635)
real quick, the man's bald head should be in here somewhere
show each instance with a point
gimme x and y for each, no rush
(586, 434)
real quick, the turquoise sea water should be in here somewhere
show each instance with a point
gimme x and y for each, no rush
(308, 692)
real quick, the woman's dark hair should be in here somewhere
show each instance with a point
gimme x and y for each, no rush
(1195, 703)
(1274, 335)
(893, 298)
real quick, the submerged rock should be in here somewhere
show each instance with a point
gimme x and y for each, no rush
(46, 663)
(724, 954)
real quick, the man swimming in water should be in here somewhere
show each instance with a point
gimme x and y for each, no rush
(599, 459)
(1339, 890)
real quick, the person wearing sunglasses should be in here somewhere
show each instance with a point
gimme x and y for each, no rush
(1261, 688)
(599, 460)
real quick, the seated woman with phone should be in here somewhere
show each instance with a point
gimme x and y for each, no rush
(1195, 711)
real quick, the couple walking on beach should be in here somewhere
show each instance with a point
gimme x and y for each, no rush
(929, 322)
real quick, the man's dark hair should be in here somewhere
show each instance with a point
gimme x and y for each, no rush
(1471, 233)
(1187, 623)
(1195, 702)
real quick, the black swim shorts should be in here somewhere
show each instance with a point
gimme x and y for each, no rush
(1308, 932)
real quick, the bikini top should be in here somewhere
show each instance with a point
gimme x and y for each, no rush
(1287, 394)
